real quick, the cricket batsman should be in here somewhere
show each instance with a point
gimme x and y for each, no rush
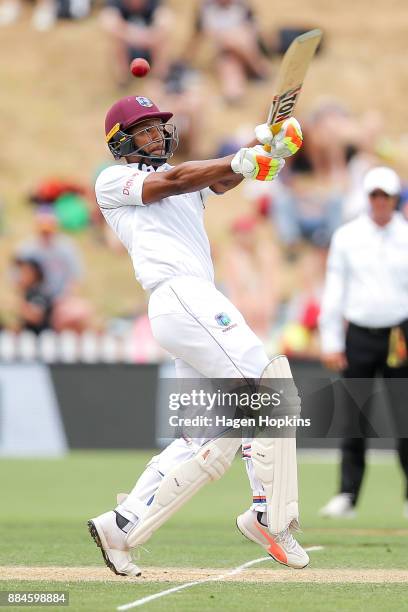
(157, 212)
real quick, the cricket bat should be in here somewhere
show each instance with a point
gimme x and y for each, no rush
(290, 79)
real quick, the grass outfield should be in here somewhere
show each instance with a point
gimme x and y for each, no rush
(45, 505)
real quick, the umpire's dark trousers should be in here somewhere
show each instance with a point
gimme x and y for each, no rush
(366, 352)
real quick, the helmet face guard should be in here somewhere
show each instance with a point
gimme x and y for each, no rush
(122, 144)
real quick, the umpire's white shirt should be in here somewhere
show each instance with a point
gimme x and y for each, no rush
(367, 279)
(164, 239)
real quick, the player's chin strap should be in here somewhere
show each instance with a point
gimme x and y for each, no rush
(274, 459)
(209, 463)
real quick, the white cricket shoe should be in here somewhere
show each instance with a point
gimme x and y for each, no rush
(339, 506)
(112, 542)
(282, 547)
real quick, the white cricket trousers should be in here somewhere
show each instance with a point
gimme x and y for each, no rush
(208, 337)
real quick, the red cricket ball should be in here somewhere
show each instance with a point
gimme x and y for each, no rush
(139, 67)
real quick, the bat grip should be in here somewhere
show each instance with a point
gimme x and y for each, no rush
(274, 129)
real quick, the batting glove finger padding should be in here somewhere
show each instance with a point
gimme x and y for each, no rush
(255, 163)
(286, 142)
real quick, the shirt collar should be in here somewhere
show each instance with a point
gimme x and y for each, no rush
(378, 228)
(149, 168)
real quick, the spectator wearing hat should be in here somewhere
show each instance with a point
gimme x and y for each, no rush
(365, 301)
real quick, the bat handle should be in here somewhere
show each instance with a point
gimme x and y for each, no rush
(274, 129)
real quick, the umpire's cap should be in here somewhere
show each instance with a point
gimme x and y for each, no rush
(382, 178)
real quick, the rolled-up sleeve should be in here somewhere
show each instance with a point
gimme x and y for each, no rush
(118, 186)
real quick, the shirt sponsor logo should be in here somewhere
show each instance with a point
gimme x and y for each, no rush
(146, 102)
(128, 185)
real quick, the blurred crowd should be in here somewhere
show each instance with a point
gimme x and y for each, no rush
(274, 258)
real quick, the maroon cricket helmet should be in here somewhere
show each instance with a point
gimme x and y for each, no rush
(128, 111)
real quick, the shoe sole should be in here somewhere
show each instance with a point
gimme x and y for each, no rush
(96, 538)
(248, 537)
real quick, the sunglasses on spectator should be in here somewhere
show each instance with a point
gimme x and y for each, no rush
(378, 193)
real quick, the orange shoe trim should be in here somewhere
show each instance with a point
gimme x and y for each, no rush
(274, 549)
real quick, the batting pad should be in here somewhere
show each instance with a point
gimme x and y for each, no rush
(182, 482)
(274, 459)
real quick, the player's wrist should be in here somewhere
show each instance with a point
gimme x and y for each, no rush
(237, 161)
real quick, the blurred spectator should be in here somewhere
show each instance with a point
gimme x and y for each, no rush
(62, 269)
(138, 28)
(73, 313)
(299, 335)
(181, 90)
(70, 201)
(231, 28)
(45, 13)
(306, 210)
(73, 9)
(329, 133)
(252, 274)
(336, 141)
(56, 254)
(34, 305)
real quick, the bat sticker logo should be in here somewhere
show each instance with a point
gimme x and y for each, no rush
(285, 104)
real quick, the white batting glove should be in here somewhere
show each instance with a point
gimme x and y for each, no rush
(255, 163)
(287, 141)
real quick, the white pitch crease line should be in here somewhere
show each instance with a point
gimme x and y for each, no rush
(187, 585)
(314, 548)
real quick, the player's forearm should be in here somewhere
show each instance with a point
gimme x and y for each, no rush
(186, 178)
(201, 174)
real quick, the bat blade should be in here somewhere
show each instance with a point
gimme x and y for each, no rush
(291, 75)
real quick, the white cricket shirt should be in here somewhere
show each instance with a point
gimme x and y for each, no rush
(366, 279)
(165, 239)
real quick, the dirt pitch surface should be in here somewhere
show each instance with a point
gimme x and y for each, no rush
(184, 574)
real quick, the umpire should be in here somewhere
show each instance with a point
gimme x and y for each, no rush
(365, 302)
